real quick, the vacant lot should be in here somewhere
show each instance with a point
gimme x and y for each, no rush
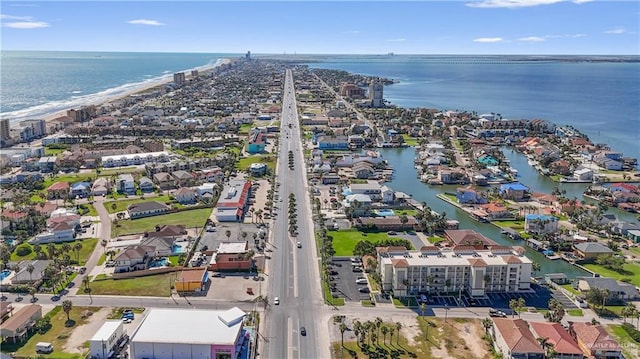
(121, 205)
(432, 338)
(71, 178)
(244, 163)
(190, 219)
(344, 242)
(82, 255)
(632, 272)
(149, 286)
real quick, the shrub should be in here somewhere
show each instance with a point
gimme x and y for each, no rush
(633, 332)
(24, 250)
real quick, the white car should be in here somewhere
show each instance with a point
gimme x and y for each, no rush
(299, 245)
(276, 301)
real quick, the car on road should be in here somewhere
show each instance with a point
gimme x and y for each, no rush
(126, 320)
(299, 244)
(82, 270)
(392, 233)
(3, 298)
(19, 299)
(364, 290)
(55, 298)
(276, 301)
(497, 313)
(70, 285)
(303, 331)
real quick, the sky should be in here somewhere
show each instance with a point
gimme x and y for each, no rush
(571, 27)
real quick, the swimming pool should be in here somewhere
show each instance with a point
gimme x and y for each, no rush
(180, 247)
(158, 263)
(385, 212)
(4, 274)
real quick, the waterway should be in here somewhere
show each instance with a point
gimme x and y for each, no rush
(405, 180)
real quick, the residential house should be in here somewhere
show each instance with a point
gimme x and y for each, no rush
(583, 174)
(363, 170)
(146, 185)
(594, 341)
(146, 209)
(371, 189)
(514, 191)
(18, 327)
(360, 204)
(164, 181)
(185, 195)
(468, 237)
(207, 188)
(544, 198)
(58, 190)
(589, 251)
(258, 169)
(45, 208)
(452, 176)
(14, 216)
(515, 340)
(623, 187)
(540, 224)
(182, 178)
(59, 231)
(101, 186)
(495, 210)
(389, 223)
(80, 190)
(622, 227)
(617, 290)
(333, 143)
(125, 184)
(634, 235)
(564, 345)
(388, 195)
(469, 195)
(133, 258)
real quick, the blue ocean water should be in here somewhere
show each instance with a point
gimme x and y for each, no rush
(601, 99)
(34, 83)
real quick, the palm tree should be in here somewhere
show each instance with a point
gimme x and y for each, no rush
(423, 308)
(104, 243)
(32, 292)
(487, 323)
(343, 328)
(378, 323)
(228, 234)
(77, 247)
(66, 306)
(398, 327)
(384, 331)
(605, 295)
(30, 269)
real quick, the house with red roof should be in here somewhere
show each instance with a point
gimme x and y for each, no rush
(58, 190)
(624, 187)
(514, 339)
(232, 203)
(594, 341)
(14, 215)
(564, 345)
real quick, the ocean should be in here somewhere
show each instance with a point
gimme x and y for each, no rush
(601, 99)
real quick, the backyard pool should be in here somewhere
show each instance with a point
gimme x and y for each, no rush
(384, 212)
(158, 263)
(4, 274)
(179, 247)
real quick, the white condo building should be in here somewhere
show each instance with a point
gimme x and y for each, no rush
(462, 269)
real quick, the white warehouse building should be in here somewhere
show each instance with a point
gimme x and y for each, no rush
(105, 342)
(190, 333)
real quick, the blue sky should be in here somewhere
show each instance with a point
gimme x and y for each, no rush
(326, 27)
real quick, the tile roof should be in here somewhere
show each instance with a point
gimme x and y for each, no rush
(563, 342)
(594, 337)
(58, 186)
(517, 335)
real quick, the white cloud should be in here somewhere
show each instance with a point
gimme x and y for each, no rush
(511, 3)
(145, 22)
(581, 1)
(532, 39)
(617, 30)
(401, 39)
(22, 22)
(489, 39)
(571, 36)
(352, 32)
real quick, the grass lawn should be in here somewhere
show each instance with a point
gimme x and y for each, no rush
(244, 163)
(87, 248)
(344, 242)
(244, 128)
(71, 178)
(329, 298)
(410, 141)
(120, 170)
(517, 225)
(569, 287)
(633, 272)
(450, 196)
(630, 348)
(575, 312)
(53, 151)
(406, 212)
(191, 218)
(121, 205)
(57, 334)
(635, 251)
(149, 286)
(435, 239)
(92, 210)
(36, 198)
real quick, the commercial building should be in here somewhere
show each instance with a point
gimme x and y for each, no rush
(134, 159)
(190, 333)
(462, 269)
(231, 256)
(105, 342)
(20, 324)
(179, 78)
(233, 201)
(193, 280)
(376, 94)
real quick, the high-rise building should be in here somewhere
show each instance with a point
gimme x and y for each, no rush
(179, 78)
(194, 73)
(375, 94)
(85, 113)
(38, 127)
(4, 129)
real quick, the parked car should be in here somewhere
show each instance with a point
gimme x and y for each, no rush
(364, 290)
(276, 301)
(497, 313)
(357, 269)
(361, 281)
(303, 331)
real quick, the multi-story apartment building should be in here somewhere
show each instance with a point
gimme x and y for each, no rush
(462, 269)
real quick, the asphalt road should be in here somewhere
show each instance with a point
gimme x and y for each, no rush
(293, 271)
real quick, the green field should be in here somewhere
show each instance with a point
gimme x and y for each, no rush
(633, 272)
(120, 170)
(87, 248)
(244, 163)
(344, 242)
(150, 286)
(121, 205)
(517, 225)
(71, 178)
(191, 218)
(410, 141)
(57, 334)
(630, 348)
(575, 312)
(53, 151)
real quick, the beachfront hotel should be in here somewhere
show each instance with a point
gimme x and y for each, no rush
(462, 269)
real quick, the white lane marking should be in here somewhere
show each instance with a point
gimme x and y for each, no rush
(290, 337)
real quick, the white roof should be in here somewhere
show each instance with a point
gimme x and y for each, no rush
(232, 247)
(106, 330)
(190, 326)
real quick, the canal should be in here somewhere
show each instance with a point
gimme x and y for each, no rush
(405, 180)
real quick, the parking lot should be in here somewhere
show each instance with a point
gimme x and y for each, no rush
(213, 239)
(345, 280)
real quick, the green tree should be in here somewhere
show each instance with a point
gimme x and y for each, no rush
(343, 328)
(398, 327)
(66, 306)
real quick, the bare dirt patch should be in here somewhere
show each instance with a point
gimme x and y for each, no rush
(82, 334)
